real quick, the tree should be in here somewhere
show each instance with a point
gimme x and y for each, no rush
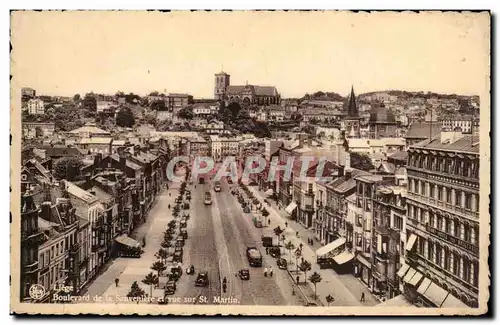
(125, 117)
(305, 267)
(315, 278)
(158, 267)
(90, 102)
(76, 97)
(38, 132)
(278, 231)
(290, 246)
(162, 254)
(150, 280)
(360, 161)
(329, 300)
(68, 168)
(158, 105)
(135, 291)
(234, 108)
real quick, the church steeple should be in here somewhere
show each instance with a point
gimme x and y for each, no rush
(352, 110)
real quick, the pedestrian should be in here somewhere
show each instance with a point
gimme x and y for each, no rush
(297, 278)
(297, 234)
(169, 194)
(169, 206)
(362, 297)
(265, 271)
(286, 224)
(268, 222)
(271, 271)
(224, 287)
(267, 250)
(116, 282)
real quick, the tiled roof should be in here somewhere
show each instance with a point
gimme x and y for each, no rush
(89, 129)
(387, 167)
(399, 155)
(469, 144)
(130, 164)
(265, 90)
(343, 184)
(63, 151)
(422, 130)
(102, 195)
(96, 140)
(80, 193)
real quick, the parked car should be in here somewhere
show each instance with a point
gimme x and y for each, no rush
(184, 234)
(177, 256)
(183, 224)
(244, 274)
(186, 206)
(201, 279)
(246, 209)
(170, 288)
(274, 251)
(179, 242)
(282, 263)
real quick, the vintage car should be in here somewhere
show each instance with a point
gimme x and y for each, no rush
(175, 273)
(244, 274)
(282, 264)
(246, 209)
(183, 224)
(170, 288)
(184, 234)
(186, 205)
(274, 251)
(201, 279)
(177, 257)
(179, 242)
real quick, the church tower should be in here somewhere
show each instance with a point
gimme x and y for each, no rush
(221, 82)
(352, 120)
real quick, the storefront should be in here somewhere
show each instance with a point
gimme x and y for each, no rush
(363, 270)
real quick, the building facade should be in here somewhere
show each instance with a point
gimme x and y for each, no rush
(443, 221)
(36, 106)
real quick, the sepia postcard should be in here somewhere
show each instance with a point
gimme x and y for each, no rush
(250, 162)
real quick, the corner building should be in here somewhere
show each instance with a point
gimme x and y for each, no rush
(442, 246)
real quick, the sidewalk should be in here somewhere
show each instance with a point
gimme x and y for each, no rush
(128, 270)
(345, 288)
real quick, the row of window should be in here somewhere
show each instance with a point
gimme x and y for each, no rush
(458, 198)
(453, 227)
(457, 166)
(50, 278)
(459, 265)
(55, 251)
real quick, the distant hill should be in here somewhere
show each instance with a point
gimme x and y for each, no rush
(320, 95)
(414, 94)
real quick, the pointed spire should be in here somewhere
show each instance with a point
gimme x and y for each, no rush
(352, 109)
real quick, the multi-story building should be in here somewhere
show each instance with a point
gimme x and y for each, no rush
(176, 102)
(89, 130)
(389, 214)
(36, 106)
(382, 123)
(31, 238)
(35, 129)
(96, 145)
(221, 147)
(442, 258)
(89, 208)
(458, 122)
(198, 147)
(103, 106)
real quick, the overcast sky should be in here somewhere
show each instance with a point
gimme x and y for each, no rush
(77, 52)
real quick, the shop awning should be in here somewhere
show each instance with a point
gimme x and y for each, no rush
(411, 242)
(452, 302)
(411, 272)
(399, 301)
(330, 247)
(436, 294)
(402, 271)
(364, 261)
(343, 258)
(416, 278)
(127, 241)
(292, 206)
(424, 285)
(269, 192)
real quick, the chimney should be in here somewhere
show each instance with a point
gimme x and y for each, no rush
(348, 173)
(123, 162)
(45, 211)
(347, 160)
(341, 171)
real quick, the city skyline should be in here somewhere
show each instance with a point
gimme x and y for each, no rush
(106, 55)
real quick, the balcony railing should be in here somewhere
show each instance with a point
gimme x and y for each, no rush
(382, 229)
(380, 276)
(443, 205)
(454, 240)
(35, 236)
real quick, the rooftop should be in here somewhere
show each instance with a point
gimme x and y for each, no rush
(80, 193)
(467, 144)
(89, 128)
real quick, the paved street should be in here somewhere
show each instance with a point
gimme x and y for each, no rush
(345, 288)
